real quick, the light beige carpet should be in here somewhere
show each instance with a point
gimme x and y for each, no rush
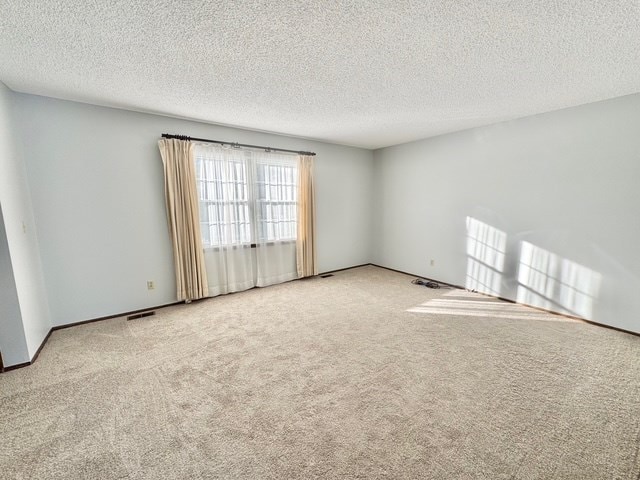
(325, 378)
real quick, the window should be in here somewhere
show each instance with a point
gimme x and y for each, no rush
(245, 197)
(224, 201)
(276, 202)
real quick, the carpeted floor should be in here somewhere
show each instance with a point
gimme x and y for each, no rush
(327, 378)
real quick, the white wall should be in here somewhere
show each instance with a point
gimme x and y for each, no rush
(20, 229)
(564, 184)
(13, 345)
(97, 189)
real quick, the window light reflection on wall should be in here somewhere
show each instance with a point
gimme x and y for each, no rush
(486, 247)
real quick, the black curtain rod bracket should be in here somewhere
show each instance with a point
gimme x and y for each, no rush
(234, 144)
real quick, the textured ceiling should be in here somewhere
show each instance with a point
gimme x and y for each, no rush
(369, 73)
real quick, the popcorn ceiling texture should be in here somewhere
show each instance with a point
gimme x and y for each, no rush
(369, 73)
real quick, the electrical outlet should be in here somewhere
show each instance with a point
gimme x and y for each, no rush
(150, 285)
(433, 262)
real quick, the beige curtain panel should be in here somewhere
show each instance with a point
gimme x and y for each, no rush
(305, 245)
(184, 219)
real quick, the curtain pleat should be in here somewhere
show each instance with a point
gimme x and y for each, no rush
(183, 216)
(305, 244)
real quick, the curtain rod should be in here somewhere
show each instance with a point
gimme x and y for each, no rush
(235, 145)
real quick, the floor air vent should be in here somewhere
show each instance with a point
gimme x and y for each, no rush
(326, 275)
(140, 315)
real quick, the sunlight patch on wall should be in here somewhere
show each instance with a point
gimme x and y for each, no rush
(486, 247)
(549, 281)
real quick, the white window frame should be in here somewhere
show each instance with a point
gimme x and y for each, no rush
(250, 160)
